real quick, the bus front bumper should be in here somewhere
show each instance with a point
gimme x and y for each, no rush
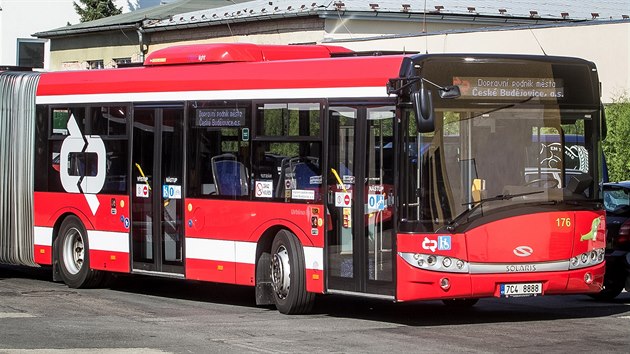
(417, 284)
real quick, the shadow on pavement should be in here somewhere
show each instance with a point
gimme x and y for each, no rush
(427, 313)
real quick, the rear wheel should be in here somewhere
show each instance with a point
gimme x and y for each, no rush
(71, 249)
(288, 275)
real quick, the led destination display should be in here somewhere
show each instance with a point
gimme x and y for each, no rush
(221, 117)
(509, 88)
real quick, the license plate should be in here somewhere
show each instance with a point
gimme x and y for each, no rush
(521, 289)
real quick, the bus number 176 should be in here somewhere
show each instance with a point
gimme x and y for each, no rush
(563, 222)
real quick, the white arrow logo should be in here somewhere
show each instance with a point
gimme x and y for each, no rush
(78, 143)
(429, 244)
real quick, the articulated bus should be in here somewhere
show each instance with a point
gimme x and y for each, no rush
(305, 170)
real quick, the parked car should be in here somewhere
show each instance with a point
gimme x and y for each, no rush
(617, 203)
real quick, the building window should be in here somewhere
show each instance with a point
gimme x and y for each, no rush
(30, 53)
(120, 61)
(95, 64)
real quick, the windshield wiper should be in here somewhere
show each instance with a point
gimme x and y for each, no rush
(466, 213)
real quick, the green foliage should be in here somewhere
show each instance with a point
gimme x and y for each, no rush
(96, 9)
(617, 144)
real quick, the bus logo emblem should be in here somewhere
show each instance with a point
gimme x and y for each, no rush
(89, 186)
(523, 251)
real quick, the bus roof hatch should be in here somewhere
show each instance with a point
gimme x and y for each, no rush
(238, 52)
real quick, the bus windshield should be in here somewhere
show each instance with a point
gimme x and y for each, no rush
(521, 133)
(522, 154)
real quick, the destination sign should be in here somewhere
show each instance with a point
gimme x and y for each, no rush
(510, 87)
(221, 117)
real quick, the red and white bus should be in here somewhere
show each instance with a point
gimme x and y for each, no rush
(304, 170)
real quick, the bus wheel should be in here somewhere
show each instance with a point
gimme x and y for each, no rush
(610, 291)
(71, 250)
(460, 303)
(288, 275)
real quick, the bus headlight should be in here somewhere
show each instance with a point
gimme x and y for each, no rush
(435, 262)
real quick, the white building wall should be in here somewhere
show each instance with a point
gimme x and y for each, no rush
(21, 18)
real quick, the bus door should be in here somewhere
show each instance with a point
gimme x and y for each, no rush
(360, 199)
(157, 192)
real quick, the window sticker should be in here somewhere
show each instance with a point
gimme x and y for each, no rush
(343, 199)
(315, 180)
(142, 190)
(263, 189)
(171, 191)
(376, 202)
(303, 194)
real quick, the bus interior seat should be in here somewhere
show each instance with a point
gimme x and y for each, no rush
(300, 169)
(230, 175)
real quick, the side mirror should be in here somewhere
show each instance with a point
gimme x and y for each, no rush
(423, 107)
(450, 92)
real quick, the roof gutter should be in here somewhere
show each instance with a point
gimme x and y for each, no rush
(78, 31)
(233, 20)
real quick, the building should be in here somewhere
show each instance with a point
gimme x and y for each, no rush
(606, 43)
(20, 19)
(114, 40)
(582, 28)
(128, 37)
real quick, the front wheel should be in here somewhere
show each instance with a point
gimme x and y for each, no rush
(288, 275)
(71, 250)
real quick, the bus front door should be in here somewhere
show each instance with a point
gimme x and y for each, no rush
(360, 199)
(157, 190)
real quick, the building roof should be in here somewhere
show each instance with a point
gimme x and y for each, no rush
(193, 13)
(135, 18)
(472, 10)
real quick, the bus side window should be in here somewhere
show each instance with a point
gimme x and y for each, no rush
(218, 150)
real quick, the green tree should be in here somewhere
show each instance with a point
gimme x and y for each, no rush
(617, 144)
(95, 9)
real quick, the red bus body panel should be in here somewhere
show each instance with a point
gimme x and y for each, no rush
(494, 244)
(245, 222)
(111, 252)
(310, 73)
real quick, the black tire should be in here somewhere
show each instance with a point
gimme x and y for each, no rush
(289, 290)
(610, 291)
(460, 303)
(73, 258)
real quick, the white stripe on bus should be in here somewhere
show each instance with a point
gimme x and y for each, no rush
(324, 92)
(241, 252)
(108, 241)
(196, 248)
(42, 236)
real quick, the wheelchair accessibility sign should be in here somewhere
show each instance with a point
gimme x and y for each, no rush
(171, 191)
(376, 202)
